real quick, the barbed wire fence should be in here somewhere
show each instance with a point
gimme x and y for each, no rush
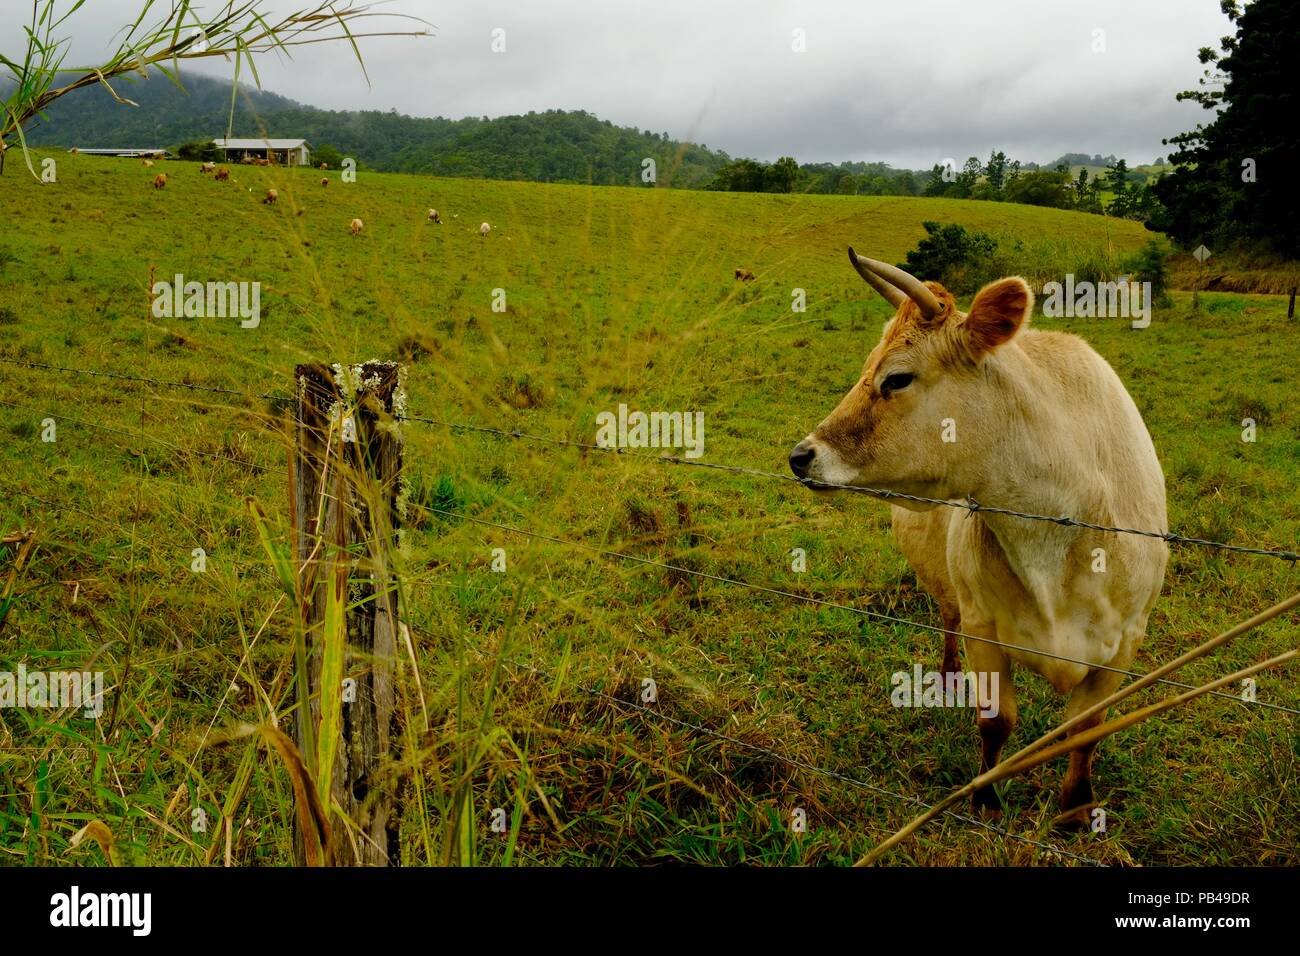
(282, 401)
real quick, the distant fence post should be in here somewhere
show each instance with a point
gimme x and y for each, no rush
(346, 476)
(1290, 307)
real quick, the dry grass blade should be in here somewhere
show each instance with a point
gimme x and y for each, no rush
(27, 539)
(101, 834)
(311, 815)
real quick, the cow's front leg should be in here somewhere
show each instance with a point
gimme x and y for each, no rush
(952, 626)
(1077, 797)
(997, 716)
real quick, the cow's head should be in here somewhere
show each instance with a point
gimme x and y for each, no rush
(932, 403)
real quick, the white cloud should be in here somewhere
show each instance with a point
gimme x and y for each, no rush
(906, 82)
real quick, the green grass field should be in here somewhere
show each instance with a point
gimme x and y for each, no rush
(613, 295)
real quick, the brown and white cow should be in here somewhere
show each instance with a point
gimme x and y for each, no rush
(975, 405)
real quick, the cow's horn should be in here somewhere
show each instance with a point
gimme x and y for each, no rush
(895, 297)
(898, 282)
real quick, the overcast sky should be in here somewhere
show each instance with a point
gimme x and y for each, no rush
(909, 82)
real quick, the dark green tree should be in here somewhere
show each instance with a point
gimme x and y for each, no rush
(1231, 180)
(996, 169)
(964, 184)
(199, 151)
(1041, 188)
(781, 176)
(936, 185)
(742, 175)
(325, 153)
(1117, 181)
(1081, 187)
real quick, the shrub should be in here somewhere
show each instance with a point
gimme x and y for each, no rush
(961, 260)
(1148, 264)
(326, 153)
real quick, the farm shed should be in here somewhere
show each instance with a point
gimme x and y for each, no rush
(281, 152)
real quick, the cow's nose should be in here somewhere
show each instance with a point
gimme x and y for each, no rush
(801, 458)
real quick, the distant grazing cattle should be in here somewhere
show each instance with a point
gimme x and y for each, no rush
(357, 226)
(207, 167)
(324, 165)
(222, 174)
(744, 275)
(324, 181)
(484, 229)
(434, 217)
(160, 181)
(146, 163)
(74, 151)
(271, 197)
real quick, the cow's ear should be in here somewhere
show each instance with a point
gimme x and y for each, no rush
(996, 315)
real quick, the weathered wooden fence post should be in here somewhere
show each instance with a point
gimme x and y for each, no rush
(346, 477)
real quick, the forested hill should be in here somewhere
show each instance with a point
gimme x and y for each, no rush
(554, 146)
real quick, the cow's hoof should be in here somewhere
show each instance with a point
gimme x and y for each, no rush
(986, 803)
(1074, 820)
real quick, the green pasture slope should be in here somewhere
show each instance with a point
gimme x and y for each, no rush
(614, 296)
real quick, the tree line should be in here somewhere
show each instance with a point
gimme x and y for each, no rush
(1120, 191)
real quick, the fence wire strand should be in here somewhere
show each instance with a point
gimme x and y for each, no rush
(822, 602)
(970, 504)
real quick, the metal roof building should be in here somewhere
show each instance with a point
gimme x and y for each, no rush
(282, 152)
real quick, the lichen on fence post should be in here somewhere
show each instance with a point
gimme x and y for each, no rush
(347, 483)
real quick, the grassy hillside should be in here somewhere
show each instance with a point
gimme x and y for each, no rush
(613, 295)
(552, 146)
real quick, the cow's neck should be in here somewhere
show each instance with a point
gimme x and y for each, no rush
(1040, 468)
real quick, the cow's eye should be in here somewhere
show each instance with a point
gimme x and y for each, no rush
(895, 382)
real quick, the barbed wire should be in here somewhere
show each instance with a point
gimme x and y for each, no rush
(804, 764)
(878, 615)
(140, 433)
(144, 380)
(62, 507)
(970, 504)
